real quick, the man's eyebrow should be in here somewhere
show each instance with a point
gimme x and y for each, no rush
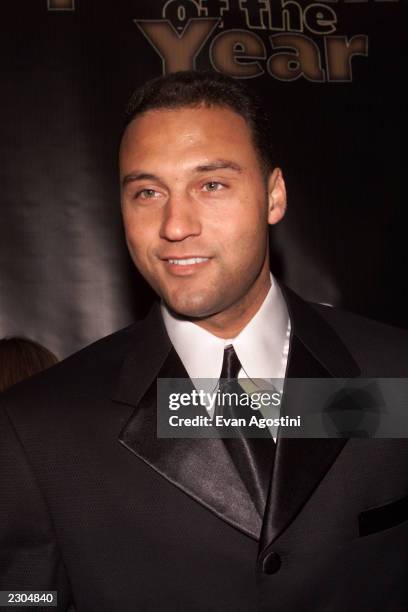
(219, 164)
(140, 176)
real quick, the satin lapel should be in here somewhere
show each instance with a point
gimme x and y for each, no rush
(202, 468)
(301, 463)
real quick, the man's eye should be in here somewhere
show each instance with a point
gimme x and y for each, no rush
(146, 194)
(213, 186)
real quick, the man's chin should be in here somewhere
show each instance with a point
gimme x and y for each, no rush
(191, 308)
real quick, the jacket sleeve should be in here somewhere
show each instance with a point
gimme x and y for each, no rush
(29, 556)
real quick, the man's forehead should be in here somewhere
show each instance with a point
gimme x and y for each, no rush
(188, 118)
(189, 140)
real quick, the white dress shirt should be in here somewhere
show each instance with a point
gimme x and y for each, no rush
(262, 346)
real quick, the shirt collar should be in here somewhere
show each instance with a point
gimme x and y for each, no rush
(260, 346)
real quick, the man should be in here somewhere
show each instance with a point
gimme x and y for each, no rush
(95, 505)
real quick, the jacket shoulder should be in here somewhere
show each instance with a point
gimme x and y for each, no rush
(378, 348)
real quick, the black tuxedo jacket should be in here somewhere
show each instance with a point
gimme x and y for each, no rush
(93, 505)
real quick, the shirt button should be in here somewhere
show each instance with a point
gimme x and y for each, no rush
(271, 563)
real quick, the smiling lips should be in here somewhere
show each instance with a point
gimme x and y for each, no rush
(188, 261)
(185, 265)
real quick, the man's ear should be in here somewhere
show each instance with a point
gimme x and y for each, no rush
(276, 196)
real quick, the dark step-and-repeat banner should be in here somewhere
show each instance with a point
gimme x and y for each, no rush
(332, 75)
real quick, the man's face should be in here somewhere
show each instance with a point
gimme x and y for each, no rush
(196, 208)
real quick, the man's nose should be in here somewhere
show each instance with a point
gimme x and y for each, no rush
(180, 218)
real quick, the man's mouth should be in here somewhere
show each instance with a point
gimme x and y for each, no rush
(185, 266)
(188, 261)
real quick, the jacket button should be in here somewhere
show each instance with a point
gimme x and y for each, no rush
(271, 563)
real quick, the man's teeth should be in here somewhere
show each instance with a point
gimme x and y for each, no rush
(188, 262)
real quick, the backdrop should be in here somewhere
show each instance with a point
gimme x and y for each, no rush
(332, 76)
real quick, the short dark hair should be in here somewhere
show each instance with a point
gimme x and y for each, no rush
(192, 88)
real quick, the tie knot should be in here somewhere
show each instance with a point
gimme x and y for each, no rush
(231, 365)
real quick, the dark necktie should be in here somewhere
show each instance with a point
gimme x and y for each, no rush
(253, 457)
(229, 384)
(231, 365)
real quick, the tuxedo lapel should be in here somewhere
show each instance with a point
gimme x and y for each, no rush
(301, 463)
(203, 468)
